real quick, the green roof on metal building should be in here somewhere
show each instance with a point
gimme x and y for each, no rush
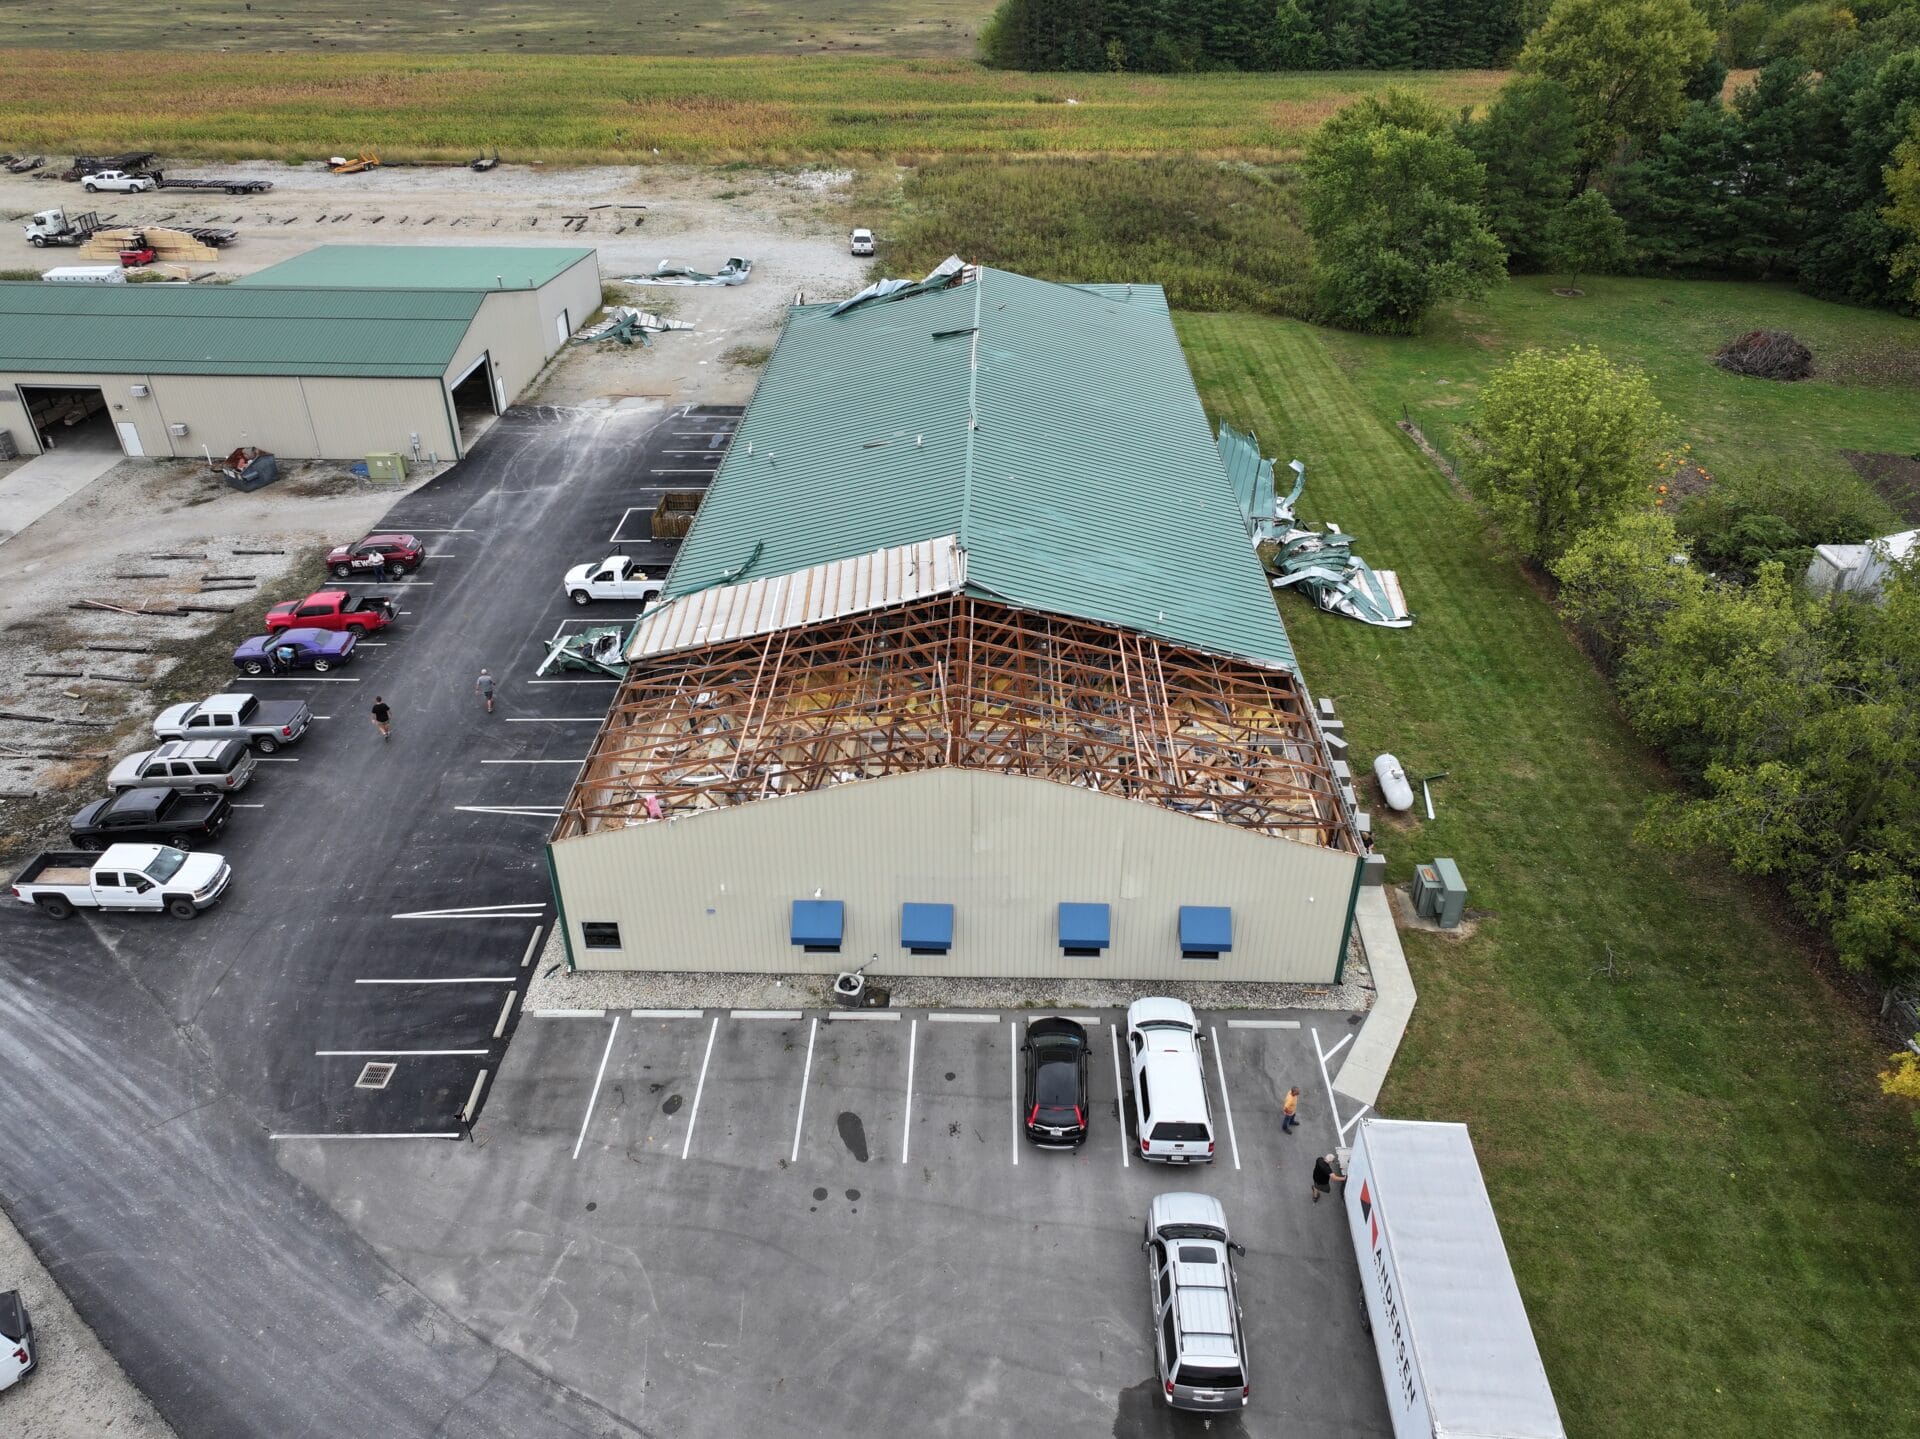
(227, 330)
(1054, 428)
(422, 267)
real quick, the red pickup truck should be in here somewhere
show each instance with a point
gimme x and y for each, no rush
(332, 610)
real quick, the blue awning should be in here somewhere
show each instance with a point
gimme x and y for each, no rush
(818, 923)
(1084, 926)
(926, 927)
(1205, 929)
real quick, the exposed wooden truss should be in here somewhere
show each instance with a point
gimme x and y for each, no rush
(960, 682)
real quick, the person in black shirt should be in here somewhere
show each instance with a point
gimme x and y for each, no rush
(382, 718)
(1324, 1177)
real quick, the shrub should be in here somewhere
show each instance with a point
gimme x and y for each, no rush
(1745, 520)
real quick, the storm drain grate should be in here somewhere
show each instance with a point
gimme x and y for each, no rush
(375, 1076)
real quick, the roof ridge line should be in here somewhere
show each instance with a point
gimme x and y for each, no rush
(973, 415)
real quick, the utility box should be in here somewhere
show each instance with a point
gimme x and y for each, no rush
(1439, 894)
(391, 467)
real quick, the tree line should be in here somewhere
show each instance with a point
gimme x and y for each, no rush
(1180, 36)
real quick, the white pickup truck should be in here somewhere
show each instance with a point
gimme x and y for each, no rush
(127, 876)
(118, 181)
(614, 578)
(268, 723)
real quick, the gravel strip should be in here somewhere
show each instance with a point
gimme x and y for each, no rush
(554, 988)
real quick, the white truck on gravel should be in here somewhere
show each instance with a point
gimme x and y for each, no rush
(268, 723)
(141, 877)
(1457, 1354)
(118, 182)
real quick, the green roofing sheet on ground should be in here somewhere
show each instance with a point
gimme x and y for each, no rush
(1074, 461)
(422, 267)
(227, 330)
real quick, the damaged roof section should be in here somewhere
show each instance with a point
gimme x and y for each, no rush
(953, 681)
(1054, 430)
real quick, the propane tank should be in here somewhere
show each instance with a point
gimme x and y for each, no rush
(1393, 783)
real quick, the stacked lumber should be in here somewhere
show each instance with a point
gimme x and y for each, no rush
(174, 245)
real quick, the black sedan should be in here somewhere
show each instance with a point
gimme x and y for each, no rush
(151, 815)
(1055, 1088)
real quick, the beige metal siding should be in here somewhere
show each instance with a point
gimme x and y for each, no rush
(355, 418)
(224, 412)
(575, 290)
(117, 390)
(712, 891)
(507, 327)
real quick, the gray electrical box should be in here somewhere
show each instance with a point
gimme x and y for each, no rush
(1439, 894)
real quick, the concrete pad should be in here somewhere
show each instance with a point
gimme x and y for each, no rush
(46, 481)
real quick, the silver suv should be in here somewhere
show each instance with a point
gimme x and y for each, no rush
(203, 766)
(1198, 1343)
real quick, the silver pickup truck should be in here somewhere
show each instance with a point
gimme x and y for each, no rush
(269, 724)
(148, 877)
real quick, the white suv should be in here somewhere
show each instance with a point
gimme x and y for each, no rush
(1199, 1347)
(1170, 1106)
(862, 242)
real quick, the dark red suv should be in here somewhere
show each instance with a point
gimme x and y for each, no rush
(390, 555)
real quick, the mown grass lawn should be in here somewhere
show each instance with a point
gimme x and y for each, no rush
(1862, 395)
(1707, 1202)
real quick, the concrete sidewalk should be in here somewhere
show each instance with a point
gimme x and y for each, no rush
(47, 481)
(1366, 1068)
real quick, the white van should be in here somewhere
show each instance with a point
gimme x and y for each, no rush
(86, 275)
(1170, 1107)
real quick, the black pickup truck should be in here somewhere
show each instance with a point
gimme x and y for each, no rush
(151, 816)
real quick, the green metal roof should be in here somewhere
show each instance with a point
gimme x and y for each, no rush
(421, 267)
(226, 330)
(1053, 428)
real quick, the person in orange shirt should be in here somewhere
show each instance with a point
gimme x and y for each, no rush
(1291, 1114)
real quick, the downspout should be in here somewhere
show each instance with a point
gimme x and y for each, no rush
(1346, 932)
(560, 910)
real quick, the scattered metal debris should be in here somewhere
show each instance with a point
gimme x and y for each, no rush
(626, 324)
(601, 649)
(1322, 563)
(734, 272)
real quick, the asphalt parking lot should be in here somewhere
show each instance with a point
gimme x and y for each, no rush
(730, 1222)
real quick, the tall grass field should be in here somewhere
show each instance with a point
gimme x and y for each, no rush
(607, 108)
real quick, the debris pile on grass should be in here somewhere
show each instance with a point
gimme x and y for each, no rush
(1766, 355)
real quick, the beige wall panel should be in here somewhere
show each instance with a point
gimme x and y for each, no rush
(507, 326)
(143, 414)
(356, 418)
(712, 891)
(576, 291)
(224, 412)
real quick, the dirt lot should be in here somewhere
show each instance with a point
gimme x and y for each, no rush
(792, 225)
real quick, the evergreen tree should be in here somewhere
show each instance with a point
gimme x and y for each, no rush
(1676, 196)
(1777, 117)
(1527, 143)
(1294, 42)
(1849, 250)
(1392, 39)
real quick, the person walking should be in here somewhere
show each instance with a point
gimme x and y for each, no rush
(1325, 1177)
(484, 688)
(382, 718)
(1290, 1111)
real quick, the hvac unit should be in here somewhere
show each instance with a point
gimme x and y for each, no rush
(139, 392)
(1439, 894)
(179, 432)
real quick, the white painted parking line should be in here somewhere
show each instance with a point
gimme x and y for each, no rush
(554, 719)
(806, 1075)
(249, 806)
(687, 452)
(1119, 1094)
(319, 716)
(940, 1016)
(668, 1013)
(371, 645)
(836, 1016)
(376, 1053)
(511, 911)
(299, 680)
(1082, 1018)
(608, 681)
(1333, 1102)
(275, 759)
(693, 1116)
(1226, 1104)
(1263, 1024)
(381, 584)
(505, 979)
(594, 1098)
(416, 530)
(1013, 1082)
(437, 1134)
(580, 761)
(663, 470)
(906, 1119)
(568, 1013)
(531, 811)
(764, 1014)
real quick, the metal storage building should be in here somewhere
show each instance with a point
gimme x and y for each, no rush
(967, 667)
(408, 357)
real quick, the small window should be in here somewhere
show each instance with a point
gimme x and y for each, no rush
(600, 934)
(1199, 954)
(1140, 1094)
(1166, 1335)
(199, 722)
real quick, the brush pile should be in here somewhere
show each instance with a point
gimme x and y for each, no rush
(1766, 355)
